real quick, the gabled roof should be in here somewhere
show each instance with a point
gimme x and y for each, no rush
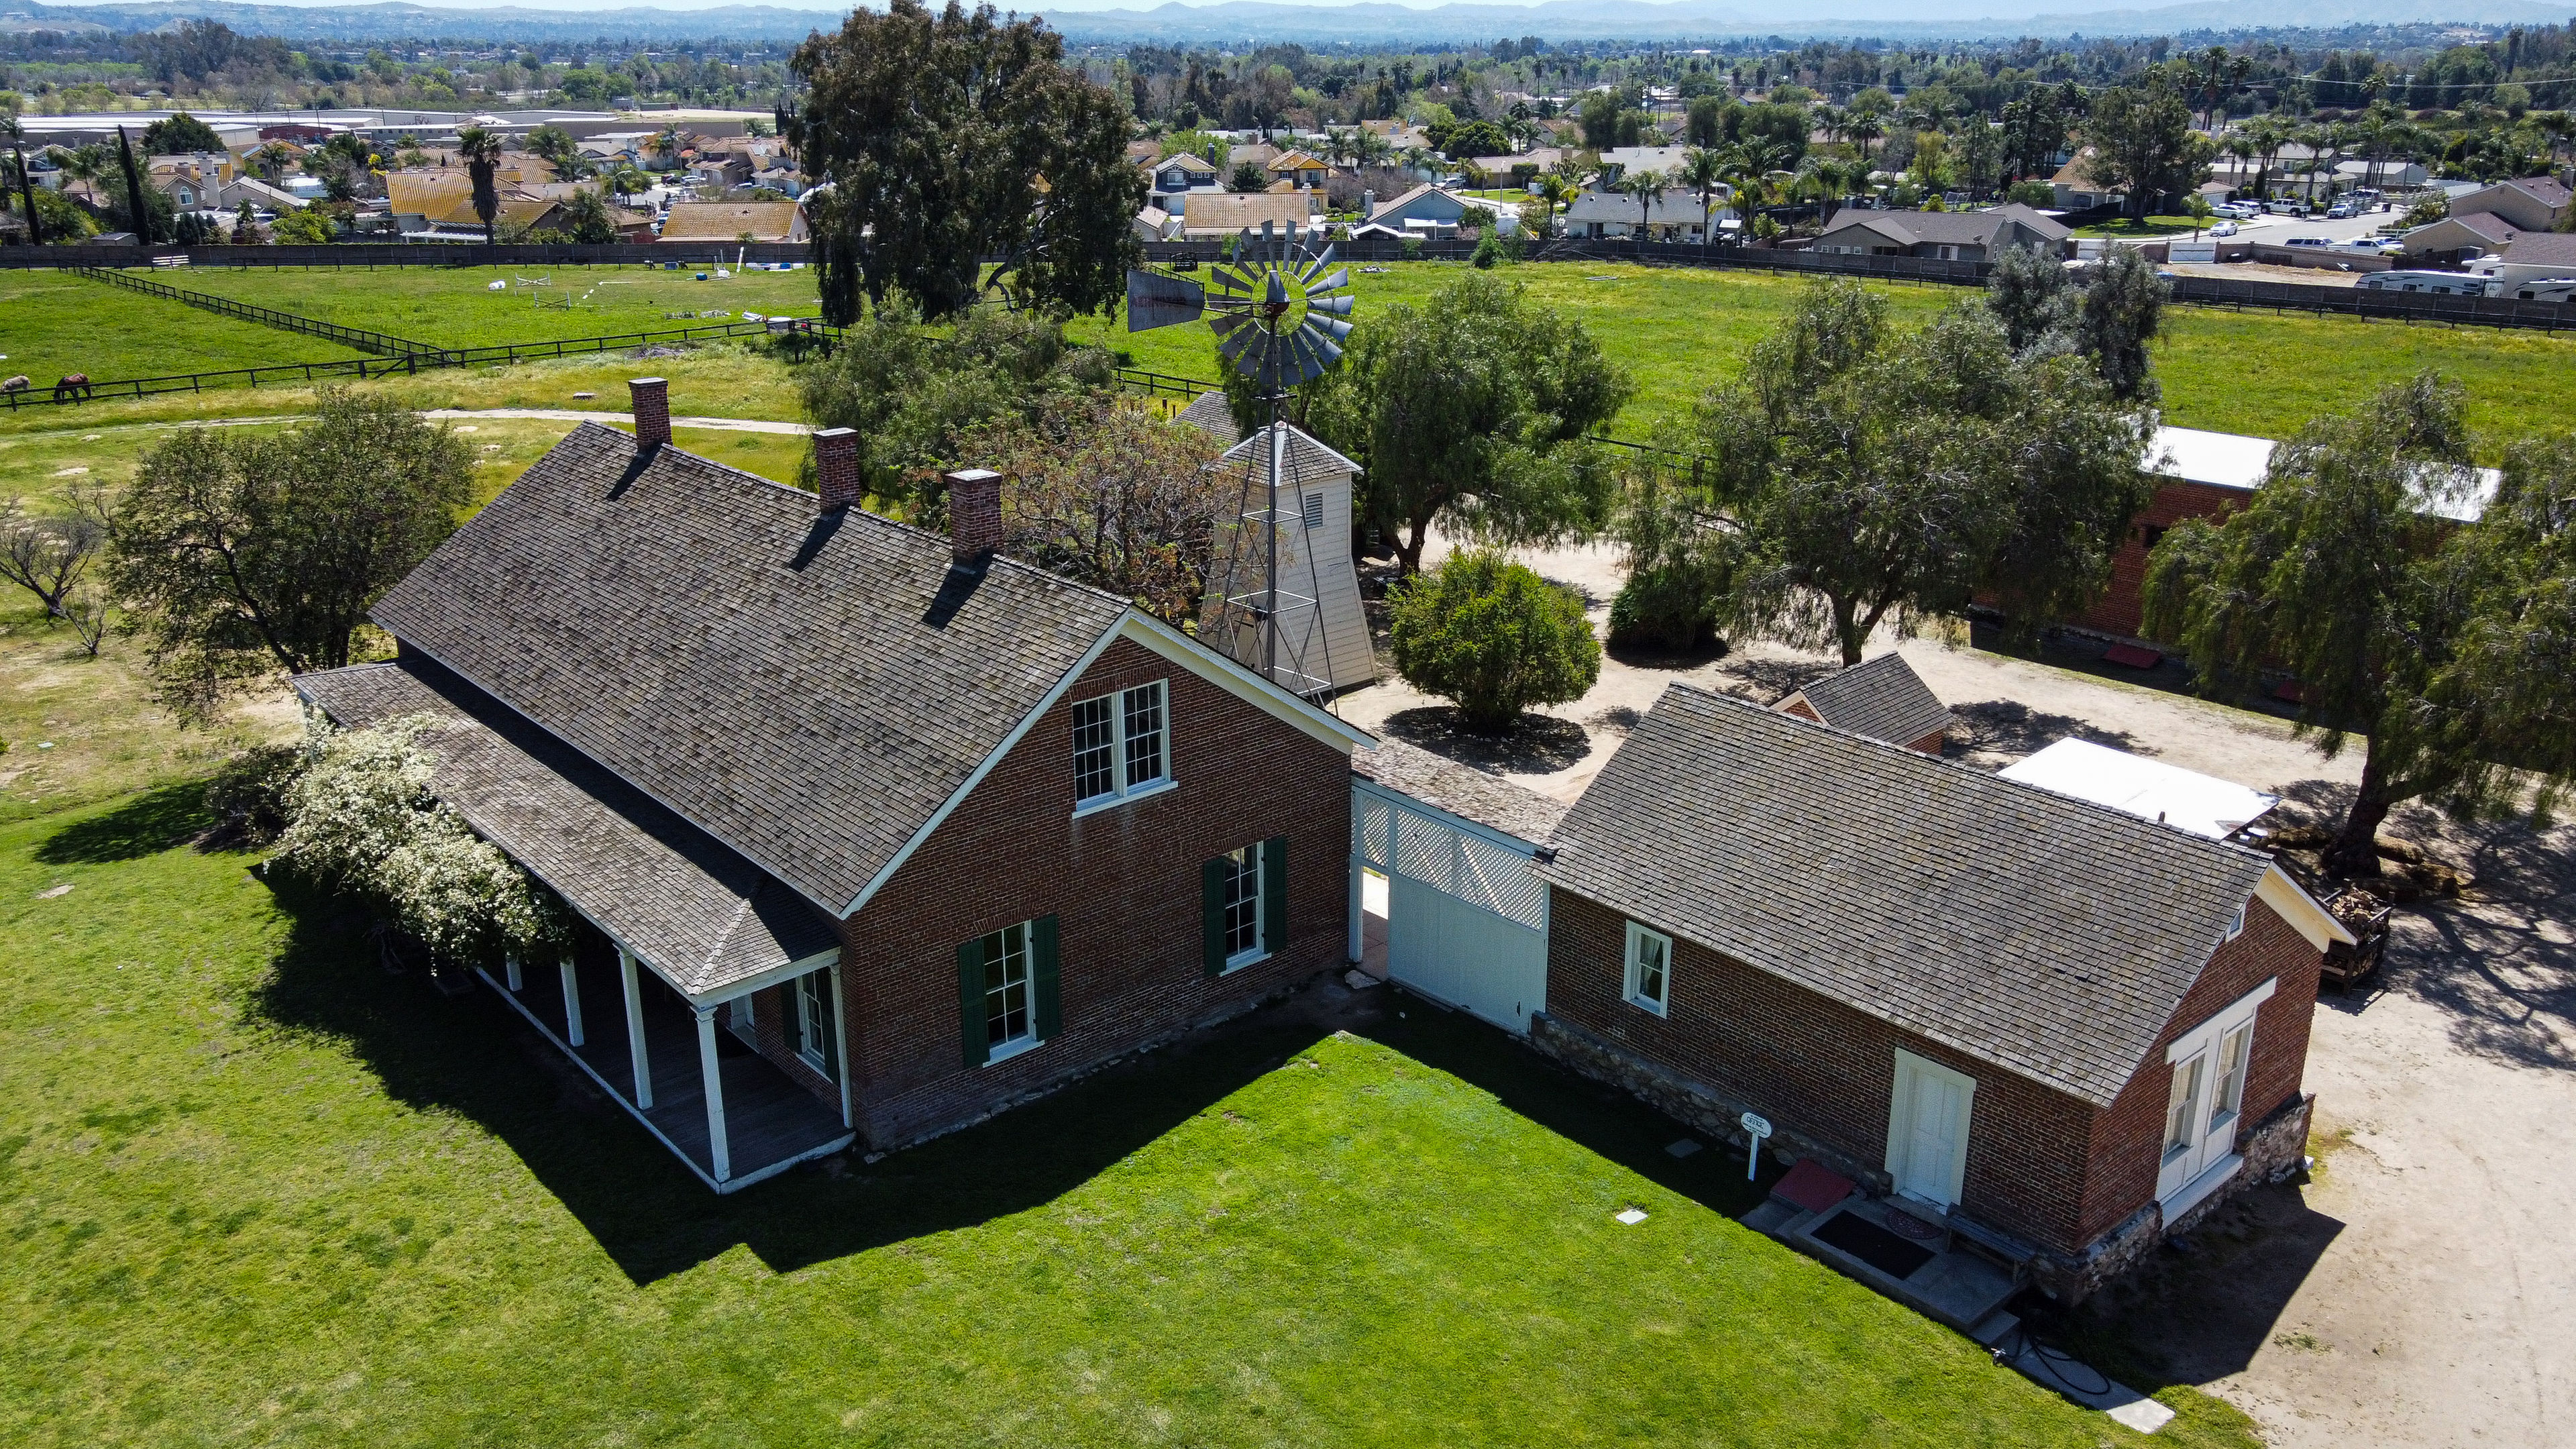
(727, 220)
(1309, 461)
(809, 691)
(1210, 414)
(2542, 249)
(694, 909)
(1955, 228)
(1882, 698)
(1462, 790)
(2485, 225)
(1404, 202)
(2051, 937)
(1194, 164)
(1204, 211)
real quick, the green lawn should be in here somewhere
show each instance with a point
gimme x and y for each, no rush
(455, 307)
(2151, 228)
(255, 1190)
(1679, 329)
(52, 323)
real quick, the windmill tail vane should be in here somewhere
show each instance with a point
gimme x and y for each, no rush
(1280, 309)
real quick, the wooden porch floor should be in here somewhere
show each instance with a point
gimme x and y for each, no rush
(769, 1119)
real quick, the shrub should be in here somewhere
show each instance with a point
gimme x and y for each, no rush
(1493, 638)
(249, 796)
(2033, 193)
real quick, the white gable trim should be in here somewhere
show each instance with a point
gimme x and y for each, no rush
(2301, 910)
(1169, 643)
(829, 956)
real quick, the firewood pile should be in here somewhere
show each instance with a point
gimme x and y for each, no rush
(2406, 872)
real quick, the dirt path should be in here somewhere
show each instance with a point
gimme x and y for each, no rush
(2419, 1291)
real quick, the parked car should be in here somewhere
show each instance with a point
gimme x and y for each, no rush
(2283, 208)
(2309, 241)
(2239, 210)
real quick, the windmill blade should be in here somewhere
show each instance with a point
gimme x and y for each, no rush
(1155, 300)
(1309, 362)
(1337, 306)
(1333, 327)
(1308, 276)
(1327, 350)
(1224, 323)
(1234, 349)
(1340, 278)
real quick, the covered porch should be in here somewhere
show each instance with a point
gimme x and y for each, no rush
(717, 1103)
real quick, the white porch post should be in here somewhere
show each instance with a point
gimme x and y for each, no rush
(635, 1031)
(841, 1042)
(572, 1004)
(510, 964)
(718, 1153)
(1357, 944)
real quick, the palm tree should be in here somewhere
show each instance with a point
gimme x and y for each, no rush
(1552, 192)
(1704, 171)
(1647, 188)
(482, 152)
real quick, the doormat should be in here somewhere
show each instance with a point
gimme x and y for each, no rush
(1872, 1244)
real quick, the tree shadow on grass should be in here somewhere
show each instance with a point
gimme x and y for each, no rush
(148, 824)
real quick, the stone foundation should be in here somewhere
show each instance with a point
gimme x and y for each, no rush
(2273, 1149)
(1712, 1112)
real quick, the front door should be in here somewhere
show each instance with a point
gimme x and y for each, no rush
(1927, 1130)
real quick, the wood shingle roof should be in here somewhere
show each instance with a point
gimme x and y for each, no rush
(2049, 936)
(1882, 698)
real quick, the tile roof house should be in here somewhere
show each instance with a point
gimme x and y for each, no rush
(1881, 698)
(2057, 1029)
(928, 829)
(1961, 236)
(726, 221)
(1210, 214)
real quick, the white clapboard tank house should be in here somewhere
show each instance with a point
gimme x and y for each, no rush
(1322, 630)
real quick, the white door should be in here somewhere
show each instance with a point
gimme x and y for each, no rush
(1927, 1130)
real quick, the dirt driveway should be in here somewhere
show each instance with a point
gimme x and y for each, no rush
(2419, 1291)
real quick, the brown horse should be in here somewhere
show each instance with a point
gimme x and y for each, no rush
(73, 385)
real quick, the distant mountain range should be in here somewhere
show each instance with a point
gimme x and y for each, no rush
(1265, 20)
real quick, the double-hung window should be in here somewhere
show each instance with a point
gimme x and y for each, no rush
(2205, 1102)
(1244, 898)
(1007, 990)
(1649, 976)
(1121, 746)
(811, 1030)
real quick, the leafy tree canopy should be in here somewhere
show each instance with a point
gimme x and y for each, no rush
(1493, 638)
(943, 139)
(2443, 647)
(240, 555)
(1475, 405)
(180, 134)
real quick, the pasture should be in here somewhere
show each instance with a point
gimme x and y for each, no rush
(457, 307)
(52, 323)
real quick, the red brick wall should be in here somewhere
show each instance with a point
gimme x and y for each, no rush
(2120, 610)
(773, 1010)
(2128, 1139)
(1797, 705)
(1821, 1069)
(1124, 883)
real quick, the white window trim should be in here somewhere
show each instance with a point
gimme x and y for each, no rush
(1127, 791)
(1010, 1049)
(1004, 1051)
(2204, 1038)
(1259, 950)
(1628, 983)
(804, 1026)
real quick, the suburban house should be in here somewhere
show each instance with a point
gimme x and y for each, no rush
(2050, 1031)
(1881, 699)
(2208, 475)
(192, 182)
(1182, 172)
(2459, 237)
(734, 221)
(1665, 161)
(871, 832)
(1949, 236)
(1426, 210)
(1210, 214)
(1299, 170)
(2073, 190)
(2524, 261)
(2491, 218)
(1674, 216)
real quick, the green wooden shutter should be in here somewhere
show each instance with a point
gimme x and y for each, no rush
(1212, 912)
(1044, 974)
(970, 1000)
(1274, 893)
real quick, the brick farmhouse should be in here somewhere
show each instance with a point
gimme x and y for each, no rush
(872, 831)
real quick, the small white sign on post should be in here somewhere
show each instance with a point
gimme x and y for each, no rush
(1755, 1129)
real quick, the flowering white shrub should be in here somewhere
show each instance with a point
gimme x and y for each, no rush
(363, 820)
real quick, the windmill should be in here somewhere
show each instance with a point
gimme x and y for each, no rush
(1278, 309)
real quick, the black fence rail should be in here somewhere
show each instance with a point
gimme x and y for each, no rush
(338, 256)
(382, 344)
(408, 364)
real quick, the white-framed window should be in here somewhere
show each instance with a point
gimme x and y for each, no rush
(1650, 969)
(2236, 925)
(1241, 905)
(814, 1019)
(2227, 1092)
(2205, 1101)
(1120, 746)
(1010, 999)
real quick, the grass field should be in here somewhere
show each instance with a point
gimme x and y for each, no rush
(455, 307)
(258, 1191)
(52, 323)
(1678, 330)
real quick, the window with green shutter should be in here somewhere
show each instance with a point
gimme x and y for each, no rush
(1008, 985)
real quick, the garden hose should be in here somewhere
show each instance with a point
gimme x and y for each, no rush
(2053, 1362)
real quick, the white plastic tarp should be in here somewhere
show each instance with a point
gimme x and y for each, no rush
(2149, 789)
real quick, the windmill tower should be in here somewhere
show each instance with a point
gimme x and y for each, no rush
(1282, 598)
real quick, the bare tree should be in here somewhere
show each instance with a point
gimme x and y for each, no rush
(49, 554)
(1105, 492)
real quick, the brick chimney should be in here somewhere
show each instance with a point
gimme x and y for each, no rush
(652, 405)
(836, 468)
(974, 513)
